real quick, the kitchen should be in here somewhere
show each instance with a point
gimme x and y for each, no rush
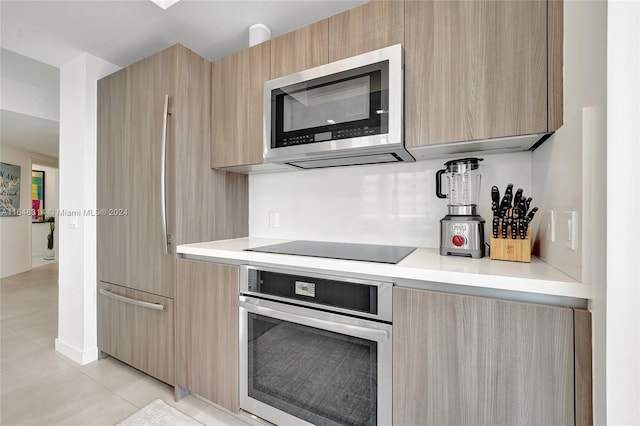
(375, 226)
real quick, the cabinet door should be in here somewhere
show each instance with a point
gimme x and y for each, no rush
(148, 83)
(377, 24)
(132, 328)
(299, 50)
(474, 70)
(207, 331)
(113, 187)
(473, 361)
(237, 98)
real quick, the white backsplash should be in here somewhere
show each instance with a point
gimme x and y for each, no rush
(383, 204)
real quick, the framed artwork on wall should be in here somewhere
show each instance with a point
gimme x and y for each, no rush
(37, 195)
(9, 189)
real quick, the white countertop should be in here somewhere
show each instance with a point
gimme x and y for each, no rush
(424, 264)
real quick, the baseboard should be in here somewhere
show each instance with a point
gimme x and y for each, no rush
(76, 355)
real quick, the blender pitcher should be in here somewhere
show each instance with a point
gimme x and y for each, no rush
(464, 178)
(462, 229)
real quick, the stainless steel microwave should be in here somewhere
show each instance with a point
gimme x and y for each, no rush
(344, 113)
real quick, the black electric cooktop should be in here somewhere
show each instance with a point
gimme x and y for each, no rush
(344, 251)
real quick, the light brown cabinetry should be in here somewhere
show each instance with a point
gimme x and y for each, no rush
(237, 105)
(481, 69)
(140, 146)
(137, 328)
(114, 169)
(474, 361)
(374, 25)
(207, 331)
(583, 370)
(299, 50)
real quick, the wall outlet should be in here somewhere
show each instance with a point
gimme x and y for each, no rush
(551, 226)
(274, 219)
(571, 218)
(73, 222)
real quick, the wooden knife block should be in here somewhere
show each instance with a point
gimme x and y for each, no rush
(516, 250)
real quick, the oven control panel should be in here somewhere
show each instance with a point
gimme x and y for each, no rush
(305, 289)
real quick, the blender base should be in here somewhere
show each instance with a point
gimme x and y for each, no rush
(462, 236)
(475, 254)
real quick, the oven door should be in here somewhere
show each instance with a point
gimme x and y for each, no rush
(301, 366)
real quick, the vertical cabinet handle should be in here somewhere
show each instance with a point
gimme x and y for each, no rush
(163, 179)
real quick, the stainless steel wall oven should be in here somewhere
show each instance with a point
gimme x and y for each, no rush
(315, 348)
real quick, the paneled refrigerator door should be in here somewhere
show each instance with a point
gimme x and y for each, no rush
(150, 174)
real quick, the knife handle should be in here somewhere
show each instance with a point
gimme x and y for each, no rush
(522, 229)
(496, 223)
(505, 224)
(514, 228)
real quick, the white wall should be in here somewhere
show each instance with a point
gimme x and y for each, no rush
(15, 232)
(623, 205)
(383, 204)
(40, 231)
(569, 172)
(77, 325)
(558, 173)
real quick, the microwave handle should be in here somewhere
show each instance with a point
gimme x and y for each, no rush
(351, 330)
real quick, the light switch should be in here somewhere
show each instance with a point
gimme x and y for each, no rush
(571, 223)
(274, 219)
(73, 222)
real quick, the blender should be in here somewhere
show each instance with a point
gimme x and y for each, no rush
(462, 229)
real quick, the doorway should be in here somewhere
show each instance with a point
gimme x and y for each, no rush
(44, 198)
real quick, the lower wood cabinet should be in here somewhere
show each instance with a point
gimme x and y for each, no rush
(207, 331)
(137, 328)
(462, 360)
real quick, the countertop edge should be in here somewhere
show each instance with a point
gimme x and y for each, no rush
(232, 251)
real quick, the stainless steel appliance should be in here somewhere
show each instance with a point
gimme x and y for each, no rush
(315, 348)
(344, 113)
(462, 229)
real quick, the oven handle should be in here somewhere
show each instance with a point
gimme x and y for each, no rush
(352, 330)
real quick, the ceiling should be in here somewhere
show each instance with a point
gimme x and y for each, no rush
(122, 32)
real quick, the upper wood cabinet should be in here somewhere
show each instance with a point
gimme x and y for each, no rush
(237, 105)
(474, 70)
(374, 25)
(479, 69)
(463, 360)
(299, 50)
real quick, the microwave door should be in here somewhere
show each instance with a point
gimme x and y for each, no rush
(351, 105)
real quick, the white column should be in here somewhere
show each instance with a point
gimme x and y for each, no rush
(623, 205)
(77, 333)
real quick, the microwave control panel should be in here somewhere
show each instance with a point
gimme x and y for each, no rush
(353, 132)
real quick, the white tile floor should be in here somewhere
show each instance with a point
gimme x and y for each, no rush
(41, 387)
